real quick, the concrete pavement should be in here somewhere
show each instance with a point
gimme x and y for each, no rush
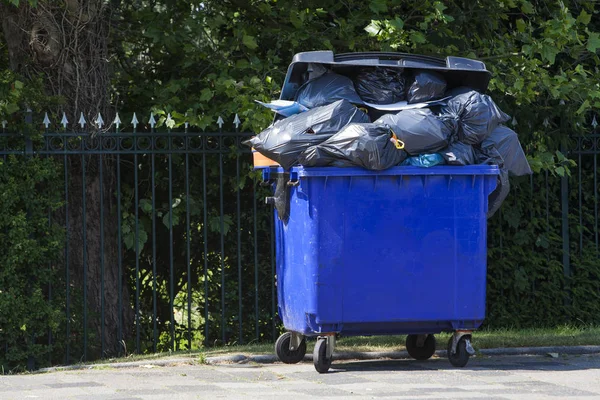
(485, 377)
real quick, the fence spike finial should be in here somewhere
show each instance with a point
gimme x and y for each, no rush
(169, 122)
(514, 121)
(237, 121)
(220, 122)
(594, 122)
(4, 122)
(46, 121)
(186, 124)
(99, 121)
(117, 121)
(152, 121)
(546, 123)
(64, 121)
(134, 121)
(82, 121)
(561, 102)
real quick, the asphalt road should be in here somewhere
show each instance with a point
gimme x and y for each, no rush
(489, 378)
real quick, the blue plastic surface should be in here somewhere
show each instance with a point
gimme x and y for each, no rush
(392, 252)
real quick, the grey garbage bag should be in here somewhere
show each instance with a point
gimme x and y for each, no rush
(490, 155)
(365, 145)
(507, 143)
(459, 153)
(380, 85)
(420, 130)
(476, 115)
(426, 86)
(287, 138)
(326, 89)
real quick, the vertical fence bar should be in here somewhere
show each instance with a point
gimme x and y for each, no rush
(205, 234)
(136, 247)
(171, 273)
(547, 203)
(67, 277)
(49, 263)
(596, 200)
(188, 242)
(154, 300)
(222, 229)
(119, 250)
(580, 211)
(239, 240)
(257, 311)
(101, 189)
(84, 227)
(564, 192)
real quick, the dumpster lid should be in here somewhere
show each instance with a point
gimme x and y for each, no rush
(457, 71)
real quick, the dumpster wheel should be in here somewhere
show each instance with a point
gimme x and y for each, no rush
(284, 351)
(420, 347)
(460, 357)
(321, 360)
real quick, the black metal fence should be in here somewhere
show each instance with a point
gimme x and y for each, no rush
(169, 246)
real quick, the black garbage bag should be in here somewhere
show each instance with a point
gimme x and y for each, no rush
(490, 155)
(419, 129)
(458, 90)
(380, 85)
(507, 143)
(286, 139)
(459, 153)
(426, 86)
(476, 115)
(327, 89)
(371, 146)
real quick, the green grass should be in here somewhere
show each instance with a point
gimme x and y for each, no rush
(483, 339)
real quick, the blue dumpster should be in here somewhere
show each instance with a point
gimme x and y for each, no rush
(400, 251)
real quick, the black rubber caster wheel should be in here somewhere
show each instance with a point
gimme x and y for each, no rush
(282, 349)
(322, 363)
(461, 357)
(420, 353)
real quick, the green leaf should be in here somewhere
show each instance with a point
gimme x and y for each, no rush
(146, 206)
(527, 8)
(249, 42)
(378, 6)
(417, 37)
(521, 27)
(206, 94)
(584, 18)
(18, 85)
(397, 23)
(584, 107)
(560, 171)
(373, 28)
(593, 42)
(11, 108)
(549, 53)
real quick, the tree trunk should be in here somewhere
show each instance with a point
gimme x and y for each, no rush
(66, 43)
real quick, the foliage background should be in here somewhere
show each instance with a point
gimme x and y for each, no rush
(202, 60)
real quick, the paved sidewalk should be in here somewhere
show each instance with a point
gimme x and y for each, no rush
(485, 377)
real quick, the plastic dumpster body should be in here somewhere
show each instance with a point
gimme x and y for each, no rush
(400, 251)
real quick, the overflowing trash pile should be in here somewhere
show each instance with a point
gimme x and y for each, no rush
(381, 117)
